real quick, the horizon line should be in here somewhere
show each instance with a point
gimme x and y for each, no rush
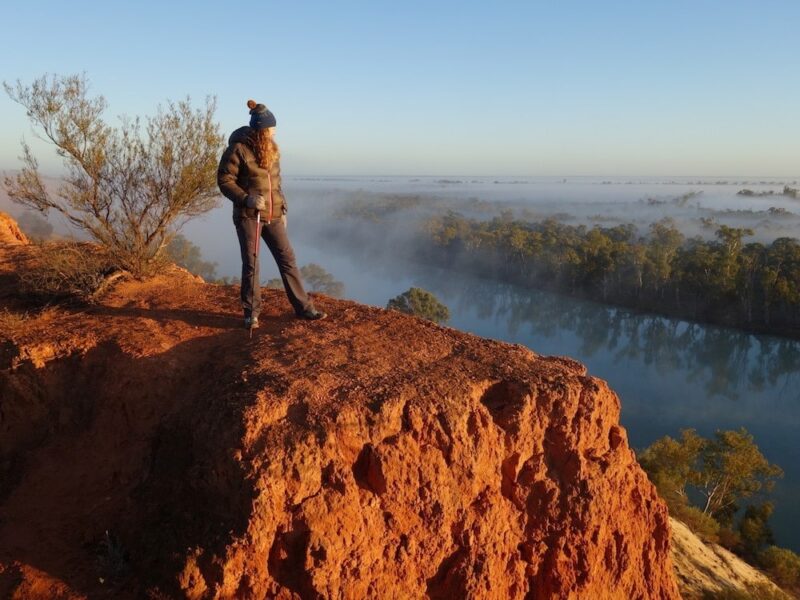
(531, 176)
(48, 173)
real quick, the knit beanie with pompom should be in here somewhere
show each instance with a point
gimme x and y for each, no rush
(260, 116)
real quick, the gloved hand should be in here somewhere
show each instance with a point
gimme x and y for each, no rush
(258, 202)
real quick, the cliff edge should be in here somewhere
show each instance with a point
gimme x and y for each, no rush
(149, 449)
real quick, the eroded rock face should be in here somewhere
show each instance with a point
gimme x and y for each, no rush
(444, 466)
(10, 233)
(370, 455)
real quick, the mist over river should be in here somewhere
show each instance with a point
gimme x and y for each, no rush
(670, 374)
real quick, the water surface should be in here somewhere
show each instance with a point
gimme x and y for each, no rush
(670, 374)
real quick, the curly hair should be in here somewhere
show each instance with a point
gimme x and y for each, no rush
(266, 150)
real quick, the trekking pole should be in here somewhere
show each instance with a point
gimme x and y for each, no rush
(255, 265)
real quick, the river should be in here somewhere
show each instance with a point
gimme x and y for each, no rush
(670, 374)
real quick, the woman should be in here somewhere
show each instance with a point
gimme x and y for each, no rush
(249, 175)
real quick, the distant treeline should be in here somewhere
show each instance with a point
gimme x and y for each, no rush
(725, 280)
(789, 192)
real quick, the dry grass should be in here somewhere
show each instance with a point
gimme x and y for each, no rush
(752, 592)
(12, 323)
(67, 271)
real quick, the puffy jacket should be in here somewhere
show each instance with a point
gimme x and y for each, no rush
(239, 175)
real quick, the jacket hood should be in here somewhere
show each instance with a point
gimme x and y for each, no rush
(240, 136)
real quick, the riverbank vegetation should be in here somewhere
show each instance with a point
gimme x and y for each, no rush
(725, 280)
(720, 488)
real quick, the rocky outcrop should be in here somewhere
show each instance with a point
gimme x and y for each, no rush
(371, 455)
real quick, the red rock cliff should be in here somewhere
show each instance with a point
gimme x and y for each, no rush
(147, 447)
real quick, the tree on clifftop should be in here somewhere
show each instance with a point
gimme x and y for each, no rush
(129, 187)
(419, 302)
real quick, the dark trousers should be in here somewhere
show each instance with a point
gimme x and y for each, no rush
(277, 241)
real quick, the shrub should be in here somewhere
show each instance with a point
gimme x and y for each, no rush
(754, 529)
(419, 302)
(703, 525)
(67, 271)
(730, 539)
(782, 565)
(128, 187)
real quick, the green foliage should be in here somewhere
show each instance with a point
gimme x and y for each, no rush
(128, 187)
(419, 302)
(703, 525)
(319, 280)
(187, 255)
(733, 469)
(723, 280)
(672, 464)
(754, 530)
(782, 565)
(724, 472)
(730, 539)
(662, 249)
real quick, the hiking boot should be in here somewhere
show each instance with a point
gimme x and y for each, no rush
(311, 314)
(251, 322)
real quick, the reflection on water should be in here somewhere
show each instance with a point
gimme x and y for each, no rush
(669, 374)
(721, 362)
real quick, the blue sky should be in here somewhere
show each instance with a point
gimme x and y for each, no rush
(503, 88)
